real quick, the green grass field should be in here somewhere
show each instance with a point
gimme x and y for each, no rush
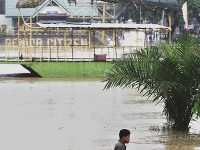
(68, 69)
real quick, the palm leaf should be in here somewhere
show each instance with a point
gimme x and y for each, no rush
(145, 71)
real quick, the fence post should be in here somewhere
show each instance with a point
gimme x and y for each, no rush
(170, 24)
(30, 52)
(65, 43)
(18, 38)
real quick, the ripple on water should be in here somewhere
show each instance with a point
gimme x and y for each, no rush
(69, 114)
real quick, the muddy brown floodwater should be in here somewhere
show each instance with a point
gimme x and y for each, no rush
(74, 114)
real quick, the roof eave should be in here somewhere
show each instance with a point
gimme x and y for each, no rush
(45, 4)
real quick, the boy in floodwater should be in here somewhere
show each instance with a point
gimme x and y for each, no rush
(124, 137)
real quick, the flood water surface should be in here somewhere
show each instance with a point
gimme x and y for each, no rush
(69, 114)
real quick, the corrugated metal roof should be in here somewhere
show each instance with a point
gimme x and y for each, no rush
(108, 26)
(83, 8)
(46, 3)
(12, 11)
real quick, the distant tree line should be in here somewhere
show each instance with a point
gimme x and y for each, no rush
(141, 14)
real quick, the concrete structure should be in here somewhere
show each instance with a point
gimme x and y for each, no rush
(12, 70)
(17, 70)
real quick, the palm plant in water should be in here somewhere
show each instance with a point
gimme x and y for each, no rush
(169, 74)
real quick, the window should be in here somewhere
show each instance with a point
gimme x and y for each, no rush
(2, 6)
(72, 2)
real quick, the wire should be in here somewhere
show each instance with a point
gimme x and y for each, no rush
(148, 6)
(122, 10)
(26, 22)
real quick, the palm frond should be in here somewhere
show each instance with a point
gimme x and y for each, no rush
(159, 70)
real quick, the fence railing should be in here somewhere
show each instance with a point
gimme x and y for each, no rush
(79, 45)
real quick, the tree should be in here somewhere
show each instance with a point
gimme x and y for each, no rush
(196, 108)
(155, 13)
(194, 9)
(133, 12)
(169, 74)
(193, 13)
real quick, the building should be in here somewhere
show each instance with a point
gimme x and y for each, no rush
(52, 11)
(3, 19)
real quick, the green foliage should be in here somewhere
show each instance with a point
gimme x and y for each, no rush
(194, 9)
(154, 14)
(167, 73)
(196, 108)
(133, 12)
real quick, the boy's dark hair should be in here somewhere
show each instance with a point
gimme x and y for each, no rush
(124, 132)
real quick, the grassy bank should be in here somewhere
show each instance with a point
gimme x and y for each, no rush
(68, 69)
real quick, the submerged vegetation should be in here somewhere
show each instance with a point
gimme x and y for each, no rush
(196, 108)
(169, 74)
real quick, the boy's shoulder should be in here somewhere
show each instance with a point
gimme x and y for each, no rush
(120, 146)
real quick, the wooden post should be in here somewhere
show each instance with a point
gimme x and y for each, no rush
(25, 44)
(72, 44)
(103, 21)
(89, 41)
(94, 34)
(57, 50)
(49, 46)
(8, 52)
(18, 38)
(170, 24)
(65, 43)
(145, 37)
(114, 42)
(136, 39)
(115, 32)
(30, 45)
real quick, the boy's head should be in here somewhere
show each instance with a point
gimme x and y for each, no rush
(124, 135)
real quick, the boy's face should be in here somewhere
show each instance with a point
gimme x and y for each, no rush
(126, 139)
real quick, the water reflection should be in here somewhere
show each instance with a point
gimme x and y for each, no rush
(69, 114)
